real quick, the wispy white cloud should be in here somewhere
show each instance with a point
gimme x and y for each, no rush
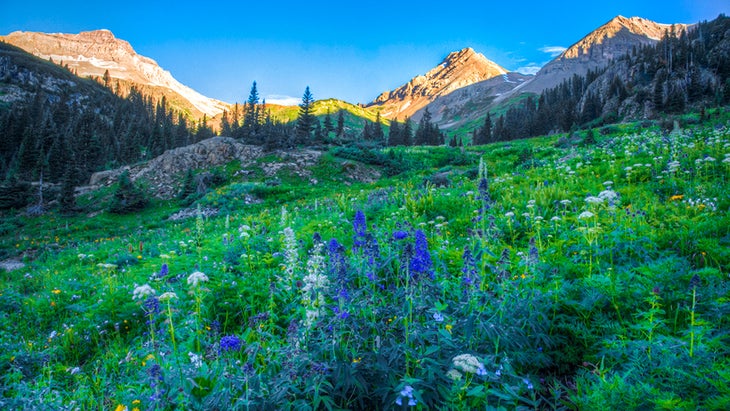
(553, 51)
(530, 69)
(282, 100)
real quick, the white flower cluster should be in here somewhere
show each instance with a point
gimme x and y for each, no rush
(585, 215)
(315, 285)
(195, 359)
(167, 296)
(196, 278)
(291, 256)
(469, 364)
(142, 292)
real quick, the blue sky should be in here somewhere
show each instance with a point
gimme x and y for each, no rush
(347, 50)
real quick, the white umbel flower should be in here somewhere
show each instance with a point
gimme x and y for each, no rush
(142, 292)
(469, 364)
(585, 215)
(196, 278)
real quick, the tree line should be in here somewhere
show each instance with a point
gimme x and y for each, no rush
(683, 70)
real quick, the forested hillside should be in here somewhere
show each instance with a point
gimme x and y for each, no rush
(681, 72)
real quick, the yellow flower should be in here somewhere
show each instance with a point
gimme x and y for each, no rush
(56, 291)
(356, 360)
(449, 327)
(136, 402)
(121, 407)
(676, 197)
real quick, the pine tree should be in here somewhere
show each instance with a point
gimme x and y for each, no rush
(395, 134)
(328, 126)
(251, 116)
(484, 134)
(225, 124)
(189, 189)
(407, 132)
(107, 79)
(306, 119)
(67, 198)
(341, 123)
(128, 198)
(377, 130)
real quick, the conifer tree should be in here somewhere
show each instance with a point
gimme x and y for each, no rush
(128, 198)
(407, 132)
(341, 123)
(306, 119)
(251, 117)
(377, 130)
(328, 126)
(395, 135)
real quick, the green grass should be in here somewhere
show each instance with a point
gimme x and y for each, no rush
(591, 276)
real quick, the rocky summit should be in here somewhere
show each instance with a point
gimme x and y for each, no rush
(613, 39)
(459, 69)
(95, 53)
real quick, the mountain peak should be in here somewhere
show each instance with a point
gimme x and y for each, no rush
(94, 53)
(613, 39)
(459, 69)
(101, 35)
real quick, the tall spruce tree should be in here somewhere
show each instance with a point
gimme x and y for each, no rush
(395, 134)
(340, 124)
(306, 119)
(251, 117)
(377, 130)
(328, 125)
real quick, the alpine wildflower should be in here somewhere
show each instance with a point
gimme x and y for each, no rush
(196, 278)
(359, 226)
(421, 261)
(142, 291)
(585, 215)
(230, 343)
(407, 394)
(469, 364)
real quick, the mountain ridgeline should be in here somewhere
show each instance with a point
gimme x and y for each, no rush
(59, 126)
(685, 70)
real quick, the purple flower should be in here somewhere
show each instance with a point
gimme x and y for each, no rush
(231, 343)
(421, 261)
(533, 256)
(151, 305)
(400, 235)
(359, 226)
(164, 270)
(406, 393)
(337, 261)
(470, 277)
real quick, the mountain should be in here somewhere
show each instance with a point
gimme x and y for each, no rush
(471, 102)
(92, 53)
(614, 39)
(459, 69)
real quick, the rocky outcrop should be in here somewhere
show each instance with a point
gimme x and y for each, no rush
(459, 69)
(93, 53)
(164, 172)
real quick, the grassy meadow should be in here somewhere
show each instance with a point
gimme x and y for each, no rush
(587, 271)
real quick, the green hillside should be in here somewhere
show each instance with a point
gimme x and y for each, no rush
(549, 273)
(355, 115)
